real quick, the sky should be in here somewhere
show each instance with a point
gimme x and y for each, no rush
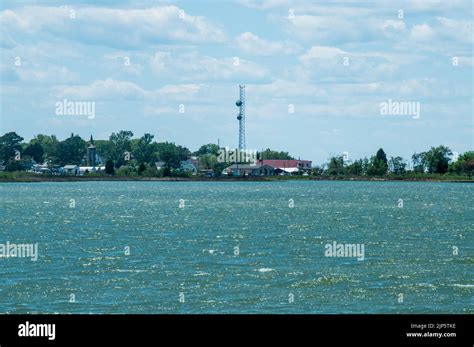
(316, 72)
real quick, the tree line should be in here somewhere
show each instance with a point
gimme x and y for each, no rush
(437, 160)
(121, 154)
(144, 152)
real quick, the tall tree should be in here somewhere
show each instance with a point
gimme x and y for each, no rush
(50, 146)
(397, 165)
(105, 149)
(378, 165)
(121, 142)
(380, 155)
(210, 148)
(419, 162)
(171, 154)
(464, 164)
(9, 143)
(109, 167)
(36, 151)
(356, 168)
(72, 150)
(336, 165)
(437, 159)
(144, 149)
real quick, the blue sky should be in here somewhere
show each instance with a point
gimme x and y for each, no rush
(334, 62)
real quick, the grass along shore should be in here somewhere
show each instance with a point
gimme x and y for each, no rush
(21, 176)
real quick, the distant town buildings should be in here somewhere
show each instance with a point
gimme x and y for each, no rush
(270, 167)
(250, 170)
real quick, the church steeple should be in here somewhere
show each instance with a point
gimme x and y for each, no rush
(91, 153)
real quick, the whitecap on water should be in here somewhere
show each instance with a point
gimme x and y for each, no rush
(463, 285)
(265, 269)
(201, 273)
(120, 270)
(429, 285)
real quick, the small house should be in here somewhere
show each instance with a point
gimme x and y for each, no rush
(71, 169)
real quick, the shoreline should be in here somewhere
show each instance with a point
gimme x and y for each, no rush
(39, 179)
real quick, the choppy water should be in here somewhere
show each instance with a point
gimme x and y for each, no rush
(192, 250)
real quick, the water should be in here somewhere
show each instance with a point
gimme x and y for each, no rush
(189, 253)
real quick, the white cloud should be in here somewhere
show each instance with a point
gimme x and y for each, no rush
(251, 43)
(443, 34)
(459, 30)
(102, 89)
(49, 74)
(180, 90)
(195, 66)
(322, 53)
(332, 64)
(466, 61)
(309, 27)
(422, 32)
(265, 4)
(393, 25)
(118, 90)
(111, 27)
(160, 60)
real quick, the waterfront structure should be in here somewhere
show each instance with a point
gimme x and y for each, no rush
(91, 153)
(287, 167)
(250, 170)
(71, 169)
(270, 167)
(188, 166)
(89, 169)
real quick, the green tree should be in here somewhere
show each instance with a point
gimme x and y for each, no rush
(378, 165)
(36, 151)
(219, 167)
(356, 168)
(207, 161)
(121, 143)
(9, 144)
(166, 172)
(210, 148)
(464, 165)
(144, 149)
(151, 171)
(317, 171)
(72, 150)
(270, 154)
(336, 166)
(397, 165)
(171, 154)
(105, 149)
(109, 167)
(437, 159)
(419, 162)
(141, 168)
(380, 155)
(50, 146)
